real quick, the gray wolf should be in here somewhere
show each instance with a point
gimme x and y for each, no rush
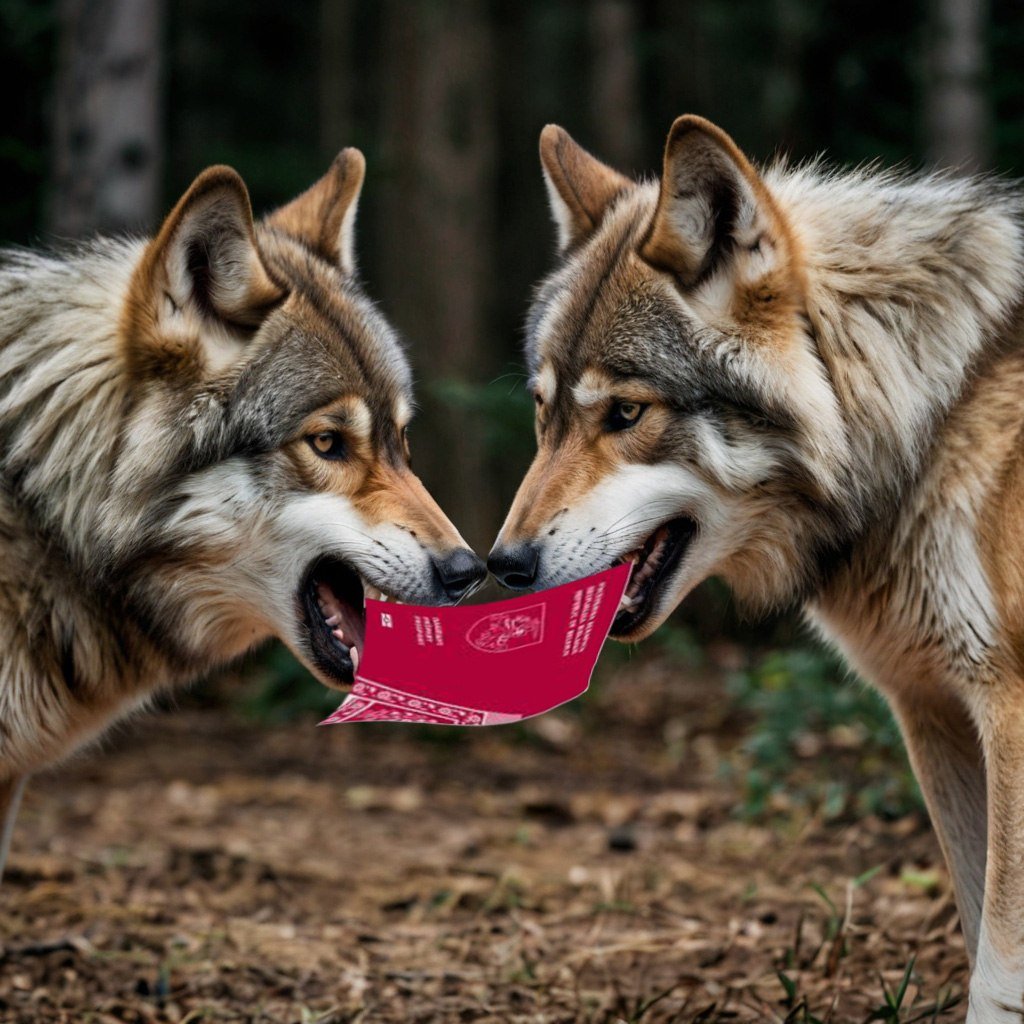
(203, 445)
(811, 384)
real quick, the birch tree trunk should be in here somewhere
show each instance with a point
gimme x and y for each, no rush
(108, 152)
(957, 114)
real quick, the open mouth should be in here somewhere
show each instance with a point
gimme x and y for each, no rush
(654, 562)
(333, 600)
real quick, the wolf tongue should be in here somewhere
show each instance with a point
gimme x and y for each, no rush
(353, 627)
(340, 616)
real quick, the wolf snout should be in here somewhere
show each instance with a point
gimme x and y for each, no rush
(459, 572)
(515, 566)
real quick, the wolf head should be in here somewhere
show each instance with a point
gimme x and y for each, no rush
(684, 420)
(246, 470)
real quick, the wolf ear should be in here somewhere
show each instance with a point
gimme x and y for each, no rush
(204, 258)
(712, 205)
(580, 187)
(324, 215)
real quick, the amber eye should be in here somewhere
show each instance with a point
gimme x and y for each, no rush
(625, 414)
(327, 445)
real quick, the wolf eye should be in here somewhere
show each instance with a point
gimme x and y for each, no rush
(327, 445)
(625, 414)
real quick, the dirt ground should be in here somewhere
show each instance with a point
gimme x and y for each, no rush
(201, 867)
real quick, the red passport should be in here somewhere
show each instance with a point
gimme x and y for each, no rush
(484, 664)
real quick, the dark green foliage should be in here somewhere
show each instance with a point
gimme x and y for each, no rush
(280, 690)
(504, 408)
(242, 90)
(819, 742)
(27, 52)
(504, 412)
(1007, 86)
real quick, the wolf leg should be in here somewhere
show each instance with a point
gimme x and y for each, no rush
(946, 756)
(997, 981)
(10, 801)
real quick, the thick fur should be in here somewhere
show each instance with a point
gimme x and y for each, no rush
(833, 369)
(160, 500)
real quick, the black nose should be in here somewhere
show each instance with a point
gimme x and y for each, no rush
(459, 572)
(515, 567)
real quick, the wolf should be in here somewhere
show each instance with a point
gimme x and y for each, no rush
(203, 444)
(808, 383)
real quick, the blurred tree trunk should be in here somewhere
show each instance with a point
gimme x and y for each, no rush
(614, 88)
(783, 90)
(688, 67)
(108, 151)
(957, 115)
(437, 222)
(337, 25)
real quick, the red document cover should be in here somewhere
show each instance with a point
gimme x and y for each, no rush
(483, 664)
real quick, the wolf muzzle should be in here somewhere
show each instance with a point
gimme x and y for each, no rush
(459, 572)
(515, 566)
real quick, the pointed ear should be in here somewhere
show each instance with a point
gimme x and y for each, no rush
(204, 259)
(580, 187)
(712, 207)
(324, 215)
